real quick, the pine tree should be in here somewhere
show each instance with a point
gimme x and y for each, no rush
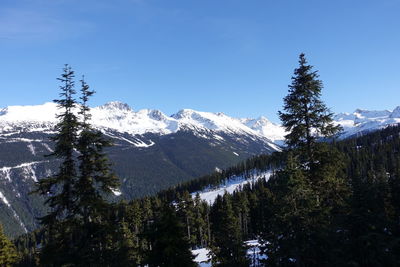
(169, 244)
(186, 211)
(311, 193)
(306, 118)
(200, 223)
(78, 225)
(95, 180)
(8, 253)
(59, 188)
(227, 245)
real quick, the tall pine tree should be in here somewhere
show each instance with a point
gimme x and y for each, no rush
(306, 118)
(95, 180)
(311, 193)
(59, 189)
(79, 231)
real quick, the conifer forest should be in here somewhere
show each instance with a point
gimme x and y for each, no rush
(321, 200)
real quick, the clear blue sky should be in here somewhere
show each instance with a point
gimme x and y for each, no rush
(233, 56)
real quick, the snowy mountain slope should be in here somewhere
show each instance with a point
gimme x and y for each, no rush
(152, 152)
(120, 117)
(231, 185)
(363, 121)
(262, 125)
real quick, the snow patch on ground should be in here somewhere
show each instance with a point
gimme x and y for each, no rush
(202, 257)
(116, 192)
(233, 183)
(32, 149)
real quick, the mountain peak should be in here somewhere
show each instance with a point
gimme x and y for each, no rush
(371, 113)
(395, 113)
(116, 105)
(183, 113)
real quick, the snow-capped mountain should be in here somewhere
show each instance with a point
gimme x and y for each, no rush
(120, 117)
(270, 130)
(152, 151)
(363, 121)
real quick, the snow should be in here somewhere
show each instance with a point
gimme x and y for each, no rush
(263, 126)
(211, 121)
(38, 113)
(27, 169)
(122, 118)
(6, 173)
(201, 255)
(253, 253)
(362, 120)
(136, 142)
(395, 113)
(29, 172)
(4, 199)
(116, 192)
(232, 184)
(48, 147)
(32, 149)
(27, 140)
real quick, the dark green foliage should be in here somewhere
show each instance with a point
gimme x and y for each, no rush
(169, 245)
(95, 179)
(361, 229)
(138, 168)
(310, 192)
(326, 204)
(59, 188)
(306, 118)
(227, 240)
(8, 253)
(79, 224)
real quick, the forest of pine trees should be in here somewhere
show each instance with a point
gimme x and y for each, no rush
(332, 203)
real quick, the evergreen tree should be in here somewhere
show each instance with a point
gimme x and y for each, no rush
(169, 244)
(186, 211)
(311, 193)
(200, 223)
(292, 229)
(306, 118)
(227, 246)
(8, 253)
(79, 227)
(59, 188)
(95, 180)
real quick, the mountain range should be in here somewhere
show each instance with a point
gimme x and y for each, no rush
(152, 150)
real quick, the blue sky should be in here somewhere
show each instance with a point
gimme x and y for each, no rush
(230, 56)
